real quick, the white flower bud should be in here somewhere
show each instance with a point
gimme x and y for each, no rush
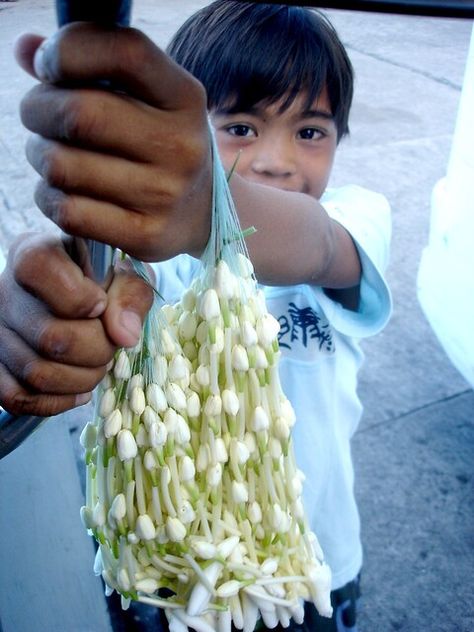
(175, 529)
(228, 589)
(297, 509)
(123, 580)
(239, 452)
(160, 370)
(118, 509)
(202, 459)
(213, 406)
(239, 358)
(275, 517)
(135, 380)
(88, 436)
(186, 513)
(177, 368)
(204, 550)
(319, 584)
(126, 445)
(87, 517)
(132, 537)
(288, 412)
(156, 397)
(113, 423)
(214, 475)
(144, 527)
(274, 447)
(259, 419)
(201, 332)
(204, 355)
(189, 350)
(127, 415)
(209, 307)
(175, 396)
(267, 329)
(221, 450)
(137, 400)
(187, 470)
(169, 312)
(230, 402)
(141, 437)
(187, 326)
(248, 335)
(193, 405)
(250, 442)
(254, 512)
(281, 428)
(149, 460)
(240, 492)
(203, 375)
(170, 420)
(168, 345)
(183, 433)
(98, 515)
(147, 585)
(269, 566)
(122, 369)
(188, 300)
(261, 361)
(157, 434)
(223, 280)
(107, 403)
(245, 266)
(150, 417)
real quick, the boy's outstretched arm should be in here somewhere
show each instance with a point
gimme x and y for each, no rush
(132, 168)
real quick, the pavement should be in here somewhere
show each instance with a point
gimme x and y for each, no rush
(414, 450)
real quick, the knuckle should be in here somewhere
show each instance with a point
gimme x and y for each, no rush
(53, 342)
(36, 374)
(17, 401)
(80, 117)
(132, 50)
(53, 166)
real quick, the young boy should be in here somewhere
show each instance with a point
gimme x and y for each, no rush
(279, 88)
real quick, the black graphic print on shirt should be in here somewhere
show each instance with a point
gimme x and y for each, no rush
(303, 329)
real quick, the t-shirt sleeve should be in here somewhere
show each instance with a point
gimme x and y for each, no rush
(366, 216)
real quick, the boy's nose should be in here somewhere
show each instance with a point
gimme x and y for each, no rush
(274, 158)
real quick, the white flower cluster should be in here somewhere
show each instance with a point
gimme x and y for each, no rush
(192, 484)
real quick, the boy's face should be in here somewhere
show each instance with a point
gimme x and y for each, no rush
(291, 150)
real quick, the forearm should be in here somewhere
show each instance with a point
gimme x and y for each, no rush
(296, 241)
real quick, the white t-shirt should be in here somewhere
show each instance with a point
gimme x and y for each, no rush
(318, 368)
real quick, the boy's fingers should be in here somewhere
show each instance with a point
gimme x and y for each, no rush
(19, 401)
(85, 52)
(130, 299)
(44, 269)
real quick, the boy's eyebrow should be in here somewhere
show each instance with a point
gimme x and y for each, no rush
(260, 111)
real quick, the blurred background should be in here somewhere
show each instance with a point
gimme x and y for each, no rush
(414, 449)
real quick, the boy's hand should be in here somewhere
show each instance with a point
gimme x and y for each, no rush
(58, 329)
(132, 167)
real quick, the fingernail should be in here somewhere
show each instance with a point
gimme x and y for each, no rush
(43, 61)
(83, 398)
(132, 323)
(98, 309)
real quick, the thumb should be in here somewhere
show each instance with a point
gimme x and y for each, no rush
(129, 300)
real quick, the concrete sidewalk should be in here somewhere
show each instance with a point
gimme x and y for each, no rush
(414, 450)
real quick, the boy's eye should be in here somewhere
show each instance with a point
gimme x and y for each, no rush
(311, 133)
(241, 130)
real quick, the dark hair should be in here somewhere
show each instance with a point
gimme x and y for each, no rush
(247, 53)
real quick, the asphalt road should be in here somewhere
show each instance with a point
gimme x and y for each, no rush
(414, 449)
